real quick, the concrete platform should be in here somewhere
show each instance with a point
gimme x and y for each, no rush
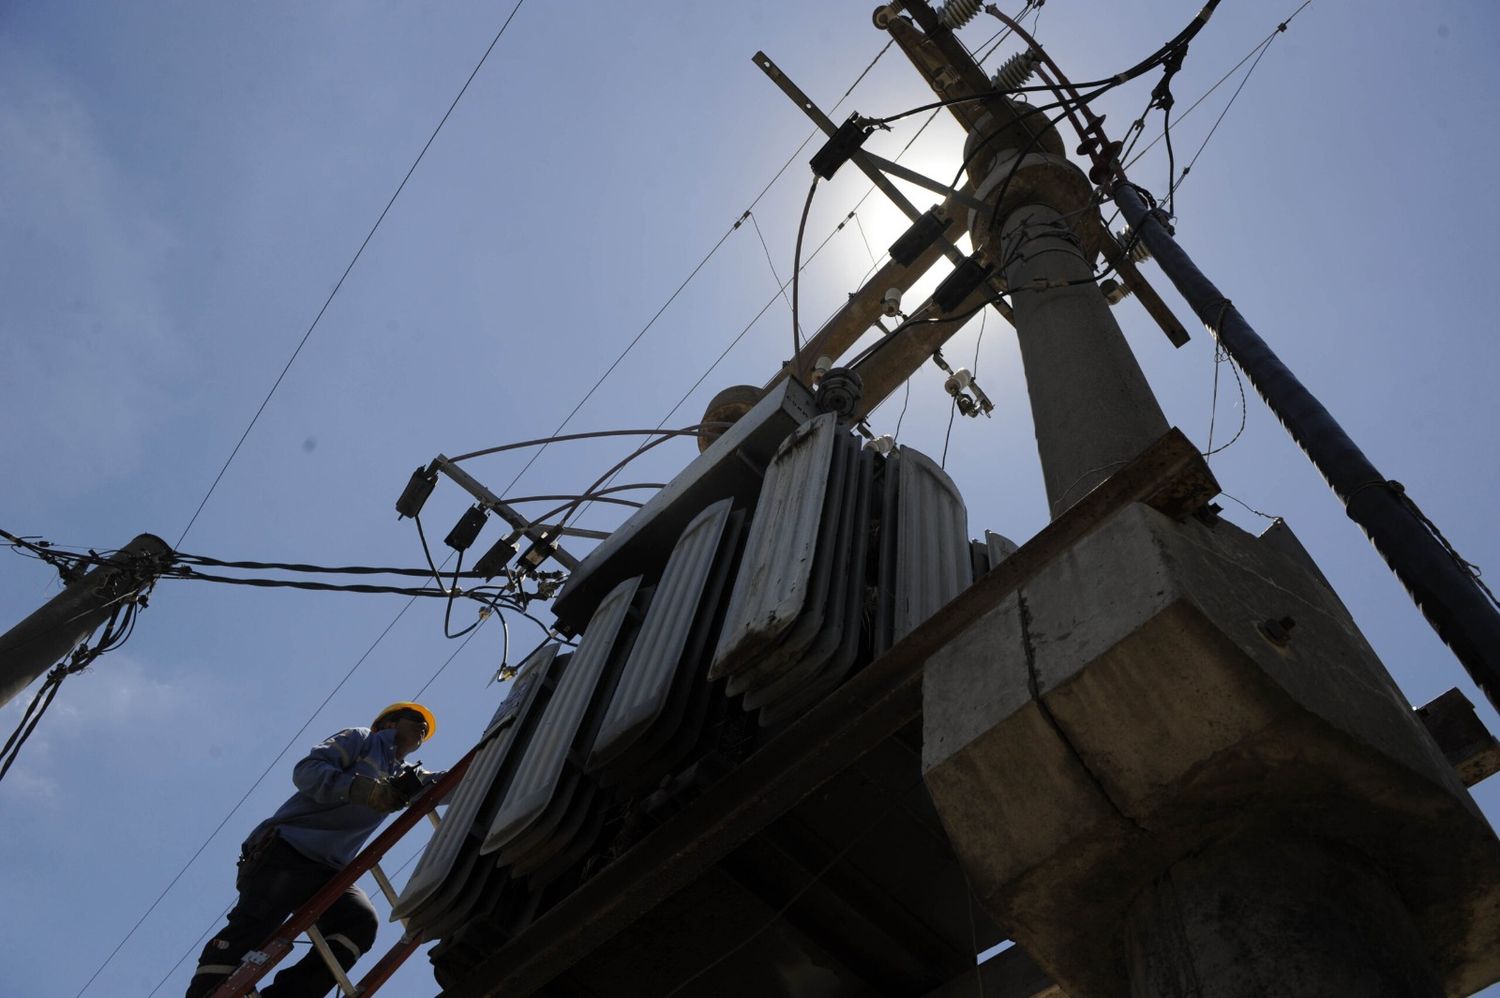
(1165, 690)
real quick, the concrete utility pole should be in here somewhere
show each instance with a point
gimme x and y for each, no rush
(47, 636)
(1090, 403)
(1169, 762)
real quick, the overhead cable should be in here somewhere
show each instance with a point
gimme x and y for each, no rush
(694, 272)
(340, 283)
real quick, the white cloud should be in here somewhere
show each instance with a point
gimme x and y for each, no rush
(82, 317)
(112, 703)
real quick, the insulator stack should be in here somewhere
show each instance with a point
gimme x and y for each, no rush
(1135, 249)
(956, 13)
(1114, 291)
(1015, 71)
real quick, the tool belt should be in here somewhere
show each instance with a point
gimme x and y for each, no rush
(252, 853)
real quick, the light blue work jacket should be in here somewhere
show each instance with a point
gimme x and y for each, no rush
(319, 820)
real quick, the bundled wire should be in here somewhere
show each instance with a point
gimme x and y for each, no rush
(117, 631)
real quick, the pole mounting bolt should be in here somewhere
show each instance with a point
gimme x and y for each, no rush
(1278, 632)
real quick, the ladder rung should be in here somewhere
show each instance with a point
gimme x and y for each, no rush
(386, 887)
(337, 969)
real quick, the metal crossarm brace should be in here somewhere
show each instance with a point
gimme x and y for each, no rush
(535, 531)
(859, 157)
(936, 53)
(872, 166)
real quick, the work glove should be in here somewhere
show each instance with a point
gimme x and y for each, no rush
(377, 794)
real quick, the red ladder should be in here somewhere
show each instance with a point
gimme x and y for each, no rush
(257, 963)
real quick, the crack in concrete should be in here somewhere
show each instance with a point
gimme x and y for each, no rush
(1034, 689)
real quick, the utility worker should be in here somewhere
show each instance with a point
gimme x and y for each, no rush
(345, 788)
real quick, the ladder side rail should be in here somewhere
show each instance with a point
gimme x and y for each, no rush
(258, 963)
(387, 965)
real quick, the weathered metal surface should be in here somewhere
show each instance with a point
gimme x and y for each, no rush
(813, 617)
(835, 666)
(885, 564)
(854, 718)
(647, 678)
(1115, 254)
(464, 808)
(986, 554)
(932, 542)
(827, 610)
(537, 778)
(1000, 547)
(776, 570)
(729, 468)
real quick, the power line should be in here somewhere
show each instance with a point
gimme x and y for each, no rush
(357, 254)
(214, 924)
(746, 214)
(1233, 97)
(582, 401)
(239, 803)
(769, 262)
(952, 411)
(1259, 47)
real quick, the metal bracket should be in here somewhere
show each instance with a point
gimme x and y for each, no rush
(535, 531)
(870, 165)
(922, 180)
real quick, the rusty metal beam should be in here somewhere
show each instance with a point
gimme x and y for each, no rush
(1115, 254)
(890, 364)
(948, 78)
(855, 317)
(881, 699)
(950, 71)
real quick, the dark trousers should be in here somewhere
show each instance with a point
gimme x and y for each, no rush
(272, 884)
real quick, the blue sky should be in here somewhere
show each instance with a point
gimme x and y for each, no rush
(182, 185)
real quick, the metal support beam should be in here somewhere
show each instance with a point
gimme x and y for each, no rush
(859, 157)
(1115, 254)
(892, 362)
(855, 318)
(536, 531)
(952, 73)
(895, 169)
(1445, 591)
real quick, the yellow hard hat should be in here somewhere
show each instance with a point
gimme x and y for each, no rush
(409, 705)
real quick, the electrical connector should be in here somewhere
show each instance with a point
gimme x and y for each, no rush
(958, 285)
(493, 561)
(414, 496)
(841, 145)
(466, 529)
(914, 241)
(539, 552)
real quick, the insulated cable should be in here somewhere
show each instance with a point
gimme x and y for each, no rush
(339, 284)
(797, 265)
(701, 263)
(542, 442)
(413, 599)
